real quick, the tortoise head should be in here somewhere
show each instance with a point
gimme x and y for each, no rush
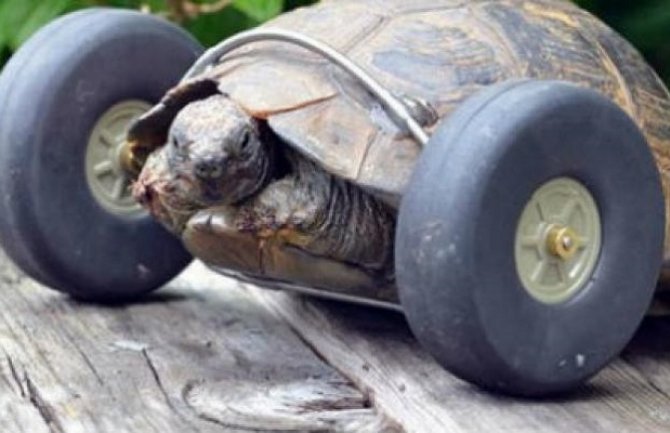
(217, 146)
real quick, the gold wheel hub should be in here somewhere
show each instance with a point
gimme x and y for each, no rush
(562, 242)
(558, 241)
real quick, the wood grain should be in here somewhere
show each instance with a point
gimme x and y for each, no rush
(378, 353)
(200, 356)
(208, 354)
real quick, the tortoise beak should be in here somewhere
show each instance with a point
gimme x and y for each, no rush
(210, 168)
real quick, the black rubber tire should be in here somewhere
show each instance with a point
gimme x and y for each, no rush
(52, 92)
(455, 259)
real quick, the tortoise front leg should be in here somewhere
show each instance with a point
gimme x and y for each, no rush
(308, 227)
(326, 217)
(218, 237)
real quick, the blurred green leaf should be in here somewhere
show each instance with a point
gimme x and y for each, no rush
(648, 25)
(41, 13)
(210, 29)
(292, 4)
(12, 15)
(4, 55)
(645, 23)
(259, 10)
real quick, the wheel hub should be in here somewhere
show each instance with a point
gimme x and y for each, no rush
(558, 240)
(563, 242)
(108, 181)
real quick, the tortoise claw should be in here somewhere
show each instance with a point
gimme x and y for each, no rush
(212, 236)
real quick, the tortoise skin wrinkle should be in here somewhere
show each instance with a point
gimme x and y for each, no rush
(341, 166)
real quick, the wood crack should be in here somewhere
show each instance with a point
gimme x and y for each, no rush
(157, 379)
(15, 376)
(657, 388)
(28, 391)
(46, 412)
(647, 380)
(161, 388)
(89, 363)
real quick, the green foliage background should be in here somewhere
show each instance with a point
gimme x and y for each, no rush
(645, 22)
(21, 18)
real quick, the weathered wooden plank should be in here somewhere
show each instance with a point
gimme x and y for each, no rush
(202, 356)
(376, 350)
(199, 356)
(649, 352)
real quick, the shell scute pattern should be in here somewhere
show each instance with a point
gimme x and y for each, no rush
(438, 51)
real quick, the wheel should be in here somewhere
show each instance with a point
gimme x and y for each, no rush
(66, 99)
(530, 237)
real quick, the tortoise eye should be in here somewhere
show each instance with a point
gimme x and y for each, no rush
(246, 138)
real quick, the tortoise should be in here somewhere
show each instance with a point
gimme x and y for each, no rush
(493, 170)
(273, 98)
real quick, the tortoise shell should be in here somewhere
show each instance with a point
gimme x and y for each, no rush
(439, 51)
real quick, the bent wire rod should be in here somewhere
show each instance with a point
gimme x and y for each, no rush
(393, 106)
